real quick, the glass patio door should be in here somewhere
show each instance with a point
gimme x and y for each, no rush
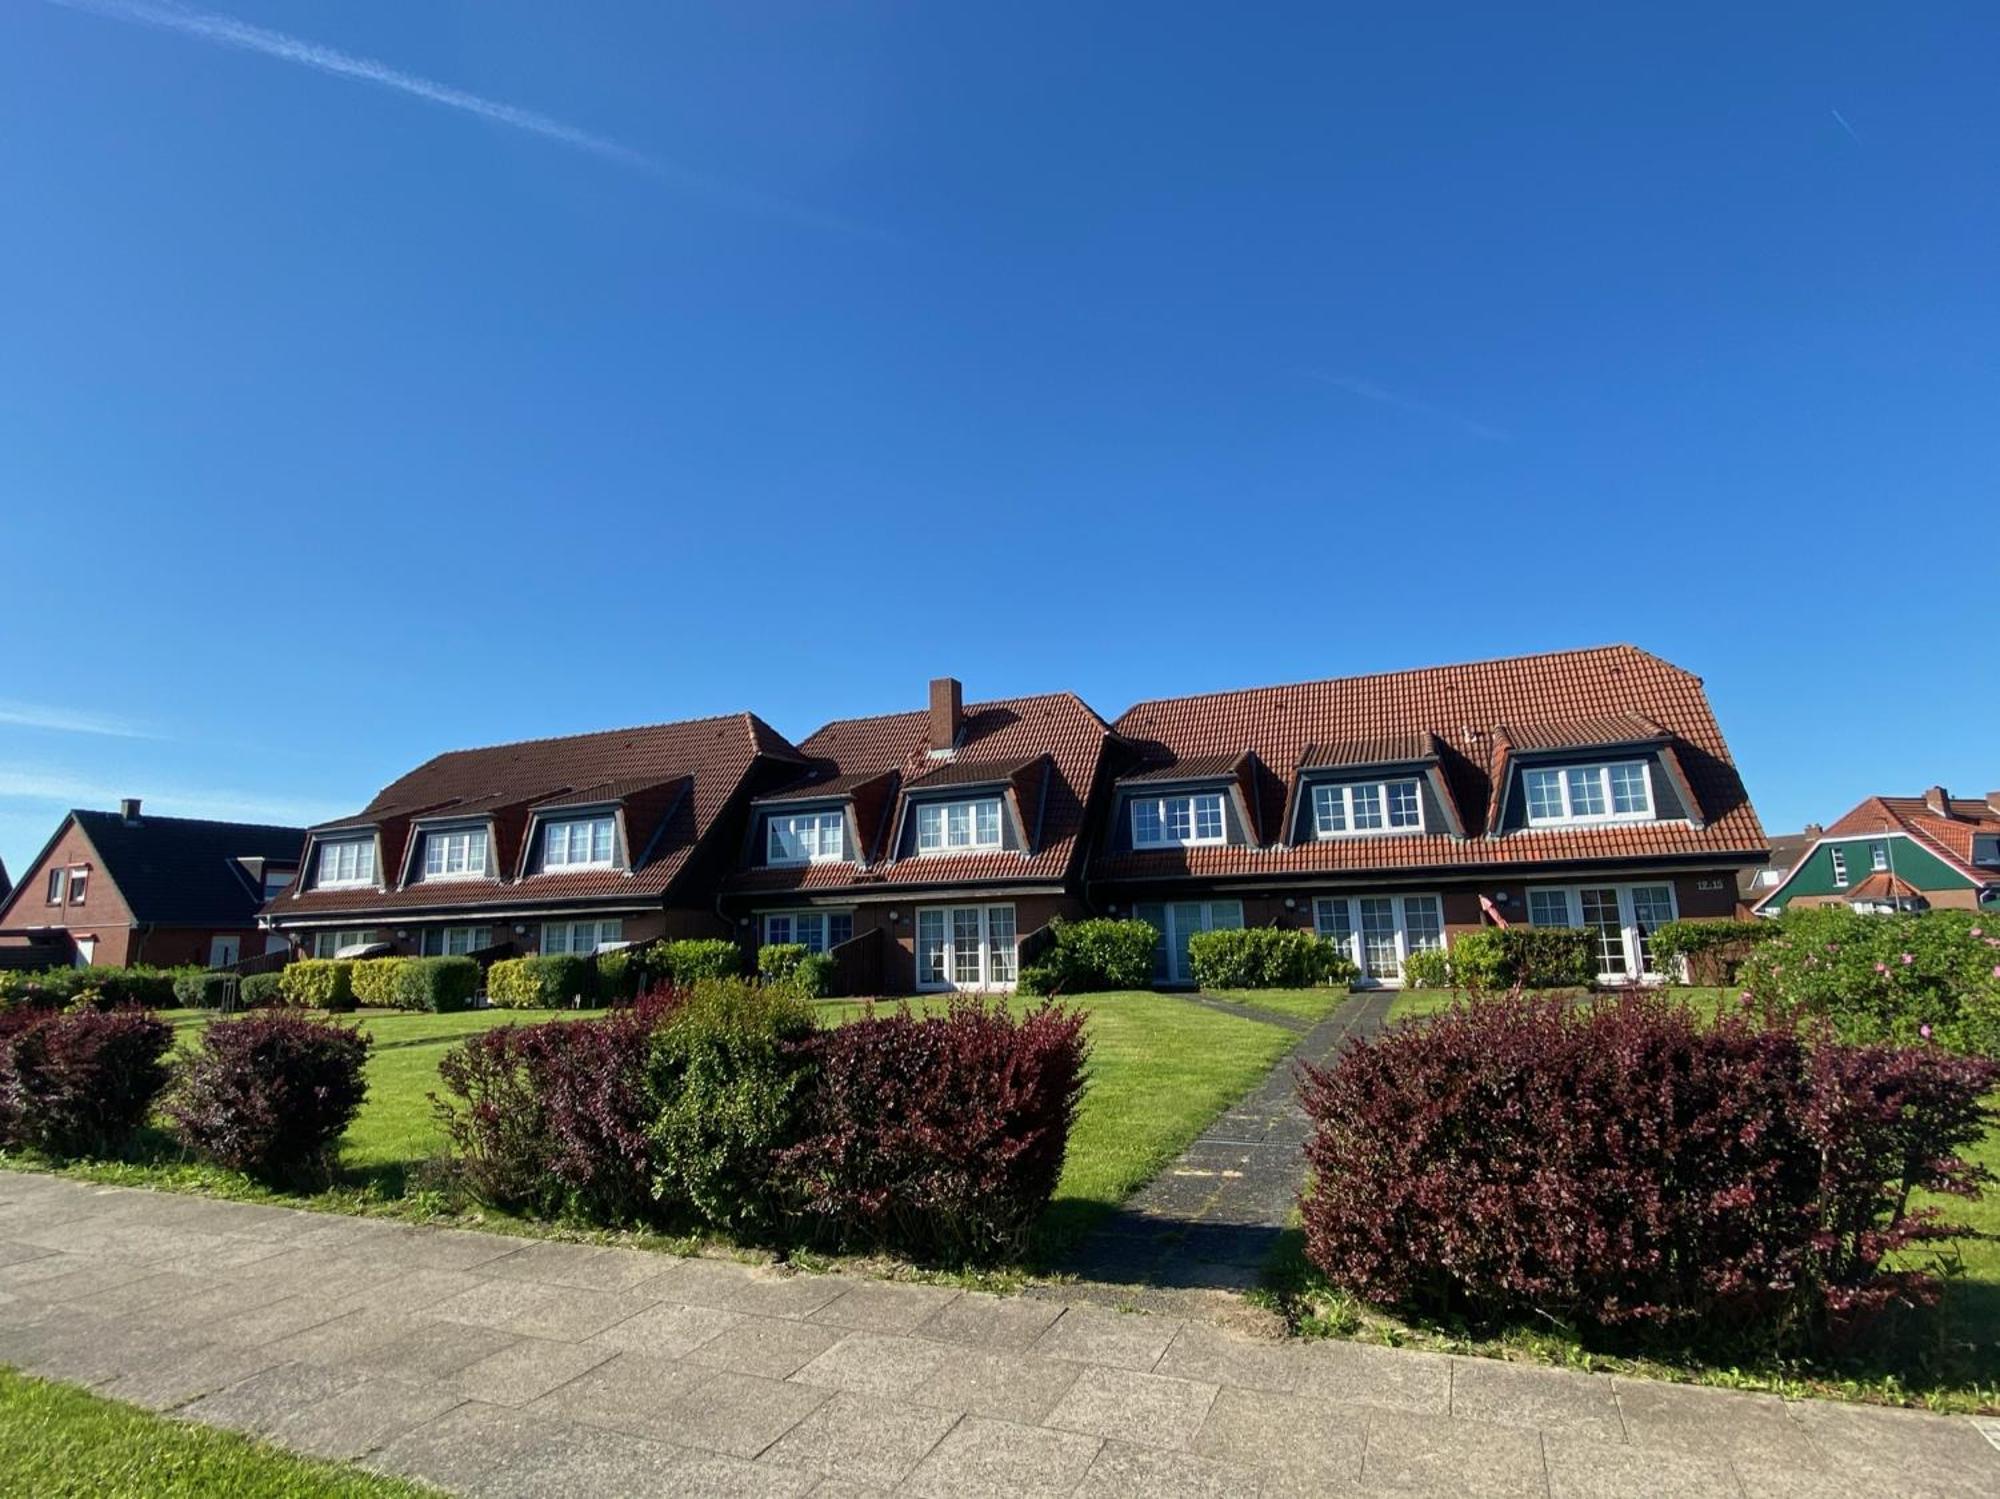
(1179, 921)
(1620, 918)
(966, 947)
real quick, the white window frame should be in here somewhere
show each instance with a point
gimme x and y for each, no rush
(812, 927)
(443, 841)
(57, 890)
(809, 831)
(329, 944)
(1602, 769)
(1164, 808)
(602, 929)
(597, 822)
(1333, 802)
(991, 972)
(277, 882)
(1878, 857)
(1178, 921)
(79, 885)
(1353, 940)
(1838, 855)
(454, 941)
(935, 830)
(1985, 851)
(1633, 968)
(363, 849)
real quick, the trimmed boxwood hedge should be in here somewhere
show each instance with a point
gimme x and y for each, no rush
(545, 981)
(319, 984)
(442, 985)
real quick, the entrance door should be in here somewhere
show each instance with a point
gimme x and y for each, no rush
(222, 951)
(1176, 923)
(1602, 918)
(966, 947)
(1620, 918)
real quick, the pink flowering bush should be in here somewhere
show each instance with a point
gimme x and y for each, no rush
(1624, 1166)
(1885, 978)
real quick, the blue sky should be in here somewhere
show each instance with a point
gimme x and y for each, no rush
(384, 378)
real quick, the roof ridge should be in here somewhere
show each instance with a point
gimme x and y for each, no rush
(1614, 647)
(739, 715)
(968, 709)
(206, 822)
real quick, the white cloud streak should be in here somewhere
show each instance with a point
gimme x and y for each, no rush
(56, 788)
(71, 721)
(1368, 390)
(227, 31)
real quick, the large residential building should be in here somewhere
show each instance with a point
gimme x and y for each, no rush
(925, 848)
(1900, 853)
(1582, 788)
(129, 887)
(554, 845)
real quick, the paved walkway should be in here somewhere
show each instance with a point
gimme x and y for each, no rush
(1208, 1223)
(496, 1366)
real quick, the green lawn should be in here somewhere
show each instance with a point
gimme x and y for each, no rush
(1160, 1070)
(1298, 1004)
(59, 1442)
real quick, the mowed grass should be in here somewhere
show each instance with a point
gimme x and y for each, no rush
(59, 1442)
(1297, 1004)
(1160, 1069)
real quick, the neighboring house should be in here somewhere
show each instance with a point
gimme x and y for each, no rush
(926, 847)
(1900, 853)
(1786, 850)
(6, 884)
(553, 845)
(128, 887)
(1583, 788)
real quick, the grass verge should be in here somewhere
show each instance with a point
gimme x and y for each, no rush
(59, 1442)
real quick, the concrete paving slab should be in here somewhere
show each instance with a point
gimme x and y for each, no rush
(1582, 1468)
(525, 1370)
(1729, 1423)
(668, 1330)
(1287, 1436)
(361, 1417)
(628, 1393)
(166, 1381)
(1147, 1410)
(1443, 1455)
(981, 1457)
(1125, 1472)
(1001, 1323)
(760, 1290)
(1908, 1453)
(424, 1351)
(612, 1465)
(1199, 1351)
(1529, 1395)
(884, 1306)
(1003, 1386)
(773, 1347)
(260, 1401)
(533, 1310)
(1125, 1340)
(588, 1267)
(863, 1440)
(457, 1449)
(869, 1364)
(740, 1414)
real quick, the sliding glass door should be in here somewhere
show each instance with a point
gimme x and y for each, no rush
(1178, 921)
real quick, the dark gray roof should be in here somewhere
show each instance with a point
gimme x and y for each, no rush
(182, 871)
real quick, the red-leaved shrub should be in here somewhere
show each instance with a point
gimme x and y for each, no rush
(553, 1118)
(79, 1084)
(939, 1137)
(1622, 1165)
(271, 1094)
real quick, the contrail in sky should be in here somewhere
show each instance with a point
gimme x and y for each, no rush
(227, 31)
(1841, 119)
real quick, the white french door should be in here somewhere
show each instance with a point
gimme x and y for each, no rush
(1379, 931)
(1620, 918)
(1176, 922)
(966, 947)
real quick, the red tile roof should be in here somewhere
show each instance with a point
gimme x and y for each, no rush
(1611, 694)
(1881, 886)
(671, 782)
(1949, 836)
(1046, 749)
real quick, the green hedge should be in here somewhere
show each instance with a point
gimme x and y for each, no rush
(1427, 968)
(375, 981)
(201, 990)
(260, 989)
(1085, 957)
(692, 959)
(440, 985)
(543, 982)
(1535, 957)
(1712, 950)
(793, 968)
(319, 984)
(1266, 957)
(107, 987)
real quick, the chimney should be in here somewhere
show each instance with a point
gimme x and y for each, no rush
(1939, 801)
(1993, 802)
(1814, 830)
(129, 810)
(947, 713)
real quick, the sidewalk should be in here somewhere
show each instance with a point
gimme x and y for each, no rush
(497, 1366)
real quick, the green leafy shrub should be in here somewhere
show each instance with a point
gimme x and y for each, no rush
(318, 983)
(1086, 957)
(1712, 950)
(547, 981)
(197, 989)
(375, 982)
(105, 987)
(1037, 978)
(259, 990)
(441, 985)
(1908, 978)
(1427, 968)
(1261, 957)
(691, 959)
(1549, 957)
(621, 973)
(1478, 960)
(728, 1072)
(777, 960)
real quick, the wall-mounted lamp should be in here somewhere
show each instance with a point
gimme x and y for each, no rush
(893, 917)
(1501, 897)
(743, 921)
(520, 929)
(1291, 904)
(401, 935)
(1112, 909)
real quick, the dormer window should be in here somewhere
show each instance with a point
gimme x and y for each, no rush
(806, 838)
(346, 861)
(1620, 792)
(1178, 821)
(276, 881)
(456, 855)
(578, 843)
(953, 827)
(1367, 807)
(1986, 851)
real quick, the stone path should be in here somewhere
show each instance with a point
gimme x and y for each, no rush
(1208, 1223)
(506, 1368)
